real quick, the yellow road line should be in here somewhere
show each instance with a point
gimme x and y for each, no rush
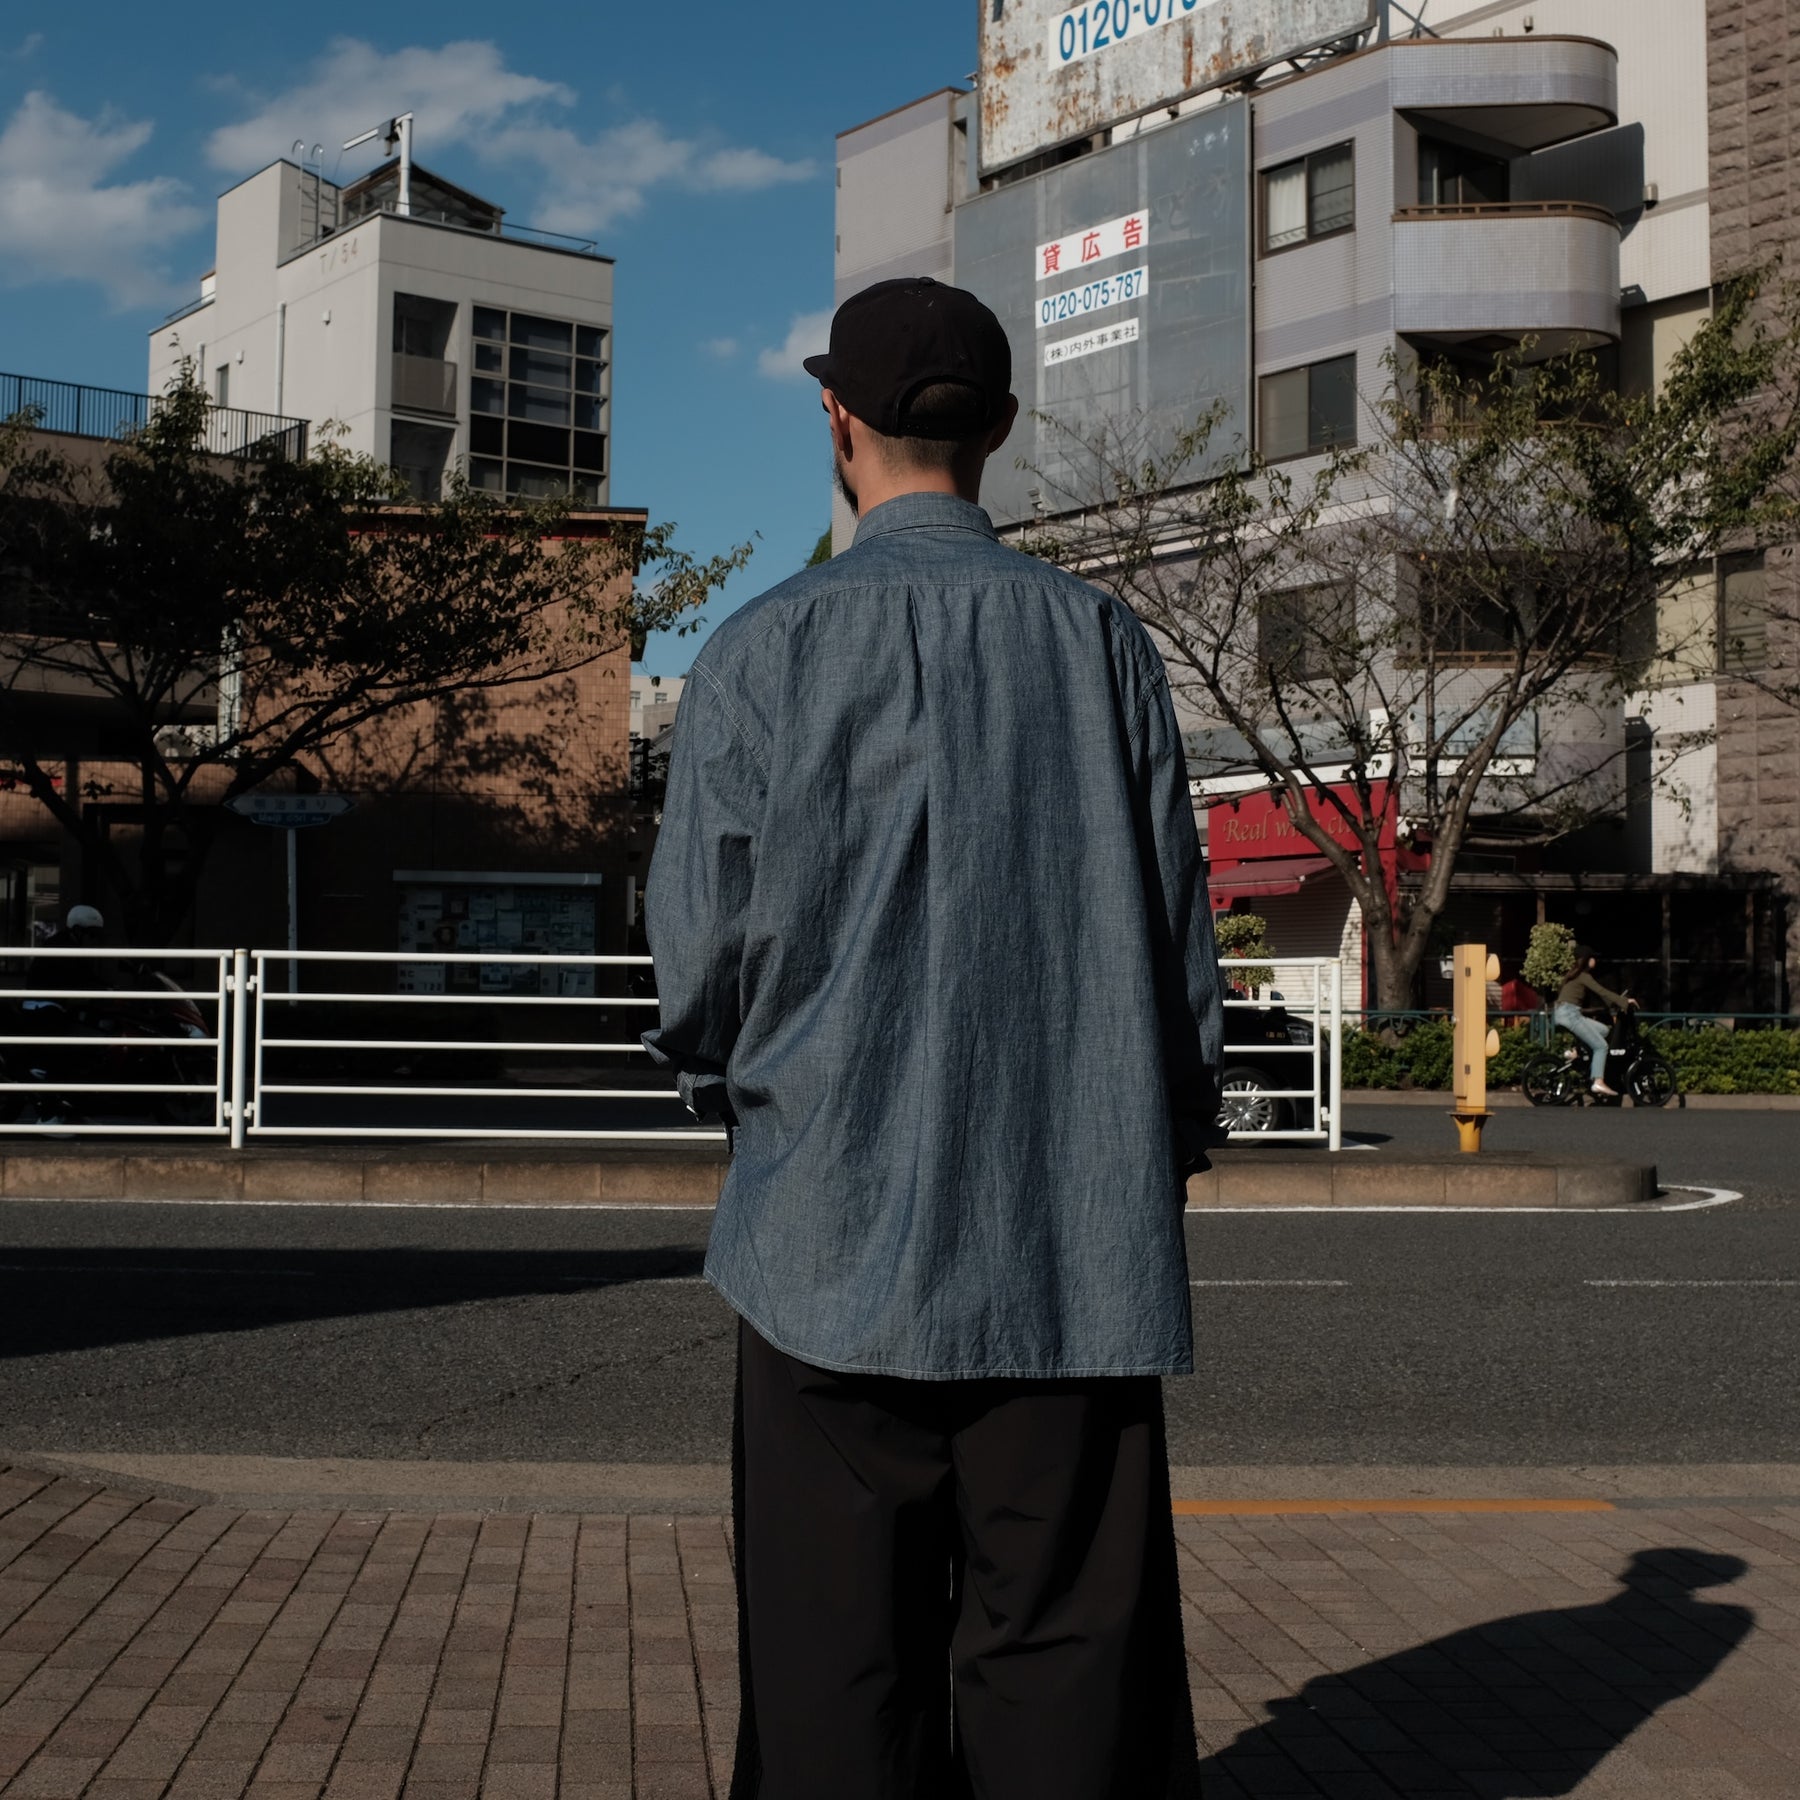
(1221, 1509)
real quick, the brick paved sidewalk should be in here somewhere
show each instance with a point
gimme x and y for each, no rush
(152, 1650)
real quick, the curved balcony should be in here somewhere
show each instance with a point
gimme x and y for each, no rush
(1473, 274)
(1523, 92)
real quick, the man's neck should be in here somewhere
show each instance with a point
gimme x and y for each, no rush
(877, 487)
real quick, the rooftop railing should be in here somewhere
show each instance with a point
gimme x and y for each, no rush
(116, 415)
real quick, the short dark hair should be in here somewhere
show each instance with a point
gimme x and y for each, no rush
(943, 399)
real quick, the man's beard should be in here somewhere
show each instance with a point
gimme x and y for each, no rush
(842, 486)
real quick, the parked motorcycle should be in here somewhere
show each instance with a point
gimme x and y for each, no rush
(121, 1043)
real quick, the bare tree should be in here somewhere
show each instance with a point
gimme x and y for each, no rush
(231, 620)
(1431, 634)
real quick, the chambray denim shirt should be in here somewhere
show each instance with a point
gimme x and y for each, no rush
(931, 927)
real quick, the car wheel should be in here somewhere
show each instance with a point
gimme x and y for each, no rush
(1245, 1103)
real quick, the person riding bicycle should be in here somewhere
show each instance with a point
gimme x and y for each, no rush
(1570, 997)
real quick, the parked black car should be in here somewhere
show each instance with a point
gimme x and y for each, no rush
(1255, 1072)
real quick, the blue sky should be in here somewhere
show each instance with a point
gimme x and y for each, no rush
(693, 141)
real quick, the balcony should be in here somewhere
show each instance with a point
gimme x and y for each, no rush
(424, 384)
(1473, 274)
(116, 415)
(1524, 93)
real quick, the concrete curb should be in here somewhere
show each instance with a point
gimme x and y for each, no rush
(1496, 1178)
(352, 1176)
(575, 1175)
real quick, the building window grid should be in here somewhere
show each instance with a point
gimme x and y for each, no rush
(1310, 198)
(1308, 410)
(537, 404)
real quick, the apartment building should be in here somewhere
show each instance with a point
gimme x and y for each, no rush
(1444, 181)
(428, 332)
(410, 320)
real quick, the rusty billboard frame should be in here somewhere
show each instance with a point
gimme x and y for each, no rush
(1031, 101)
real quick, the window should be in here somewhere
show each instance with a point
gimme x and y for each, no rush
(1307, 633)
(1449, 175)
(537, 405)
(1306, 410)
(1743, 614)
(1311, 197)
(222, 385)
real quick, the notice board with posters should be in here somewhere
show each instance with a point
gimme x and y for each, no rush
(504, 914)
(1123, 281)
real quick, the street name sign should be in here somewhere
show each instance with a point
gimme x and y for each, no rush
(290, 812)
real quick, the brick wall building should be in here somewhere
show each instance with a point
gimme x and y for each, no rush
(1753, 57)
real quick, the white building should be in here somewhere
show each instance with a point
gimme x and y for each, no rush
(427, 331)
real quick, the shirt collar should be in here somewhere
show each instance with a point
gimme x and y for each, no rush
(919, 512)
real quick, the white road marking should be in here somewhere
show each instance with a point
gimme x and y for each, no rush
(1710, 1196)
(1268, 1284)
(1746, 1283)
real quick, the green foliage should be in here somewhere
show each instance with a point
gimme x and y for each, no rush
(1550, 957)
(298, 602)
(821, 550)
(1732, 1062)
(1705, 1062)
(1242, 936)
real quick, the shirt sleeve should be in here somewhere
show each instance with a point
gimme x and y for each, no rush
(698, 893)
(1607, 996)
(1190, 1000)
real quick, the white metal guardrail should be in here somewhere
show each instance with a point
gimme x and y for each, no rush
(71, 1047)
(1295, 1022)
(301, 1043)
(477, 981)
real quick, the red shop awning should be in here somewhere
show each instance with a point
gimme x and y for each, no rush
(1271, 875)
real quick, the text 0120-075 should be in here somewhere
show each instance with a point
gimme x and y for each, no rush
(1096, 296)
(1101, 23)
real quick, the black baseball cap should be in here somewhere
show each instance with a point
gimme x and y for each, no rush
(897, 338)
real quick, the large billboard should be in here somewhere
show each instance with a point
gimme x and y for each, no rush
(1051, 72)
(1122, 279)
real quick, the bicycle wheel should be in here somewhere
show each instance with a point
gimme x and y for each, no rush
(1542, 1080)
(1653, 1082)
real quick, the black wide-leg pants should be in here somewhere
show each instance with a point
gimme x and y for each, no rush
(955, 1590)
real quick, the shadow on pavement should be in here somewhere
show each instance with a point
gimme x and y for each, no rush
(72, 1299)
(1520, 1709)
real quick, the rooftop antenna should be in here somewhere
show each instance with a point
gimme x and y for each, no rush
(394, 132)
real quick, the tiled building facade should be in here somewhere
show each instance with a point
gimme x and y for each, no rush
(1753, 59)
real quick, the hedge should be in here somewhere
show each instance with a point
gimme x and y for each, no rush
(1706, 1062)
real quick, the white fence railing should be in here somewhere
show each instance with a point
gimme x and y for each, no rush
(375, 1044)
(1291, 1036)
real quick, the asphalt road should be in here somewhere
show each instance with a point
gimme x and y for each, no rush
(588, 1336)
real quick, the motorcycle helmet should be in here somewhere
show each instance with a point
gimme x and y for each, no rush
(1585, 954)
(85, 918)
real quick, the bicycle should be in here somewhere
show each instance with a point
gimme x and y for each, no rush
(1560, 1077)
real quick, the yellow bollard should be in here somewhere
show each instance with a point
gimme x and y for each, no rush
(1474, 1043)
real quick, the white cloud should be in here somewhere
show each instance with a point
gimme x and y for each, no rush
(457, 92)
(61, 219)
(808, 335)
(28, 47)
(589, 183)
(724, 348)
(465, 94)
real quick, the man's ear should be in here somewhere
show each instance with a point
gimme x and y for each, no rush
(838, 415)
(1003, 430)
